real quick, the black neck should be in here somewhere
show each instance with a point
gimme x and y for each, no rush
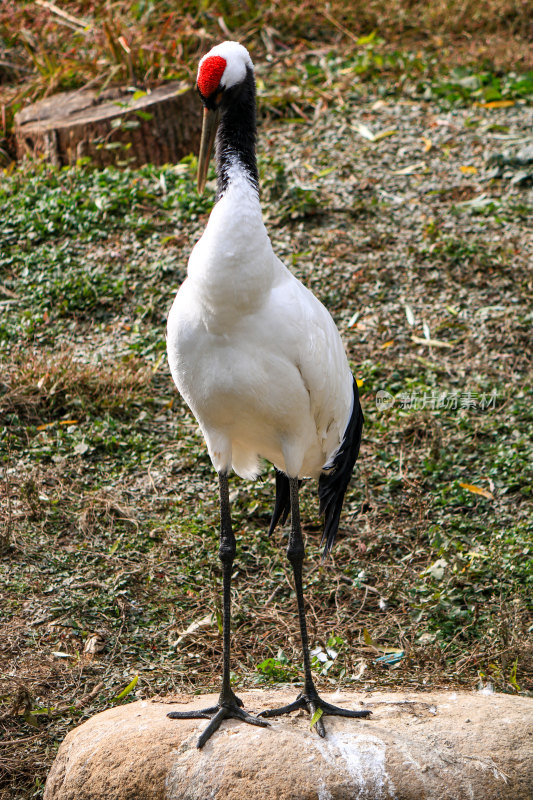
(236, 134)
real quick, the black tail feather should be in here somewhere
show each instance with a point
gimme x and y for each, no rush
(332, 485)
(282, 506)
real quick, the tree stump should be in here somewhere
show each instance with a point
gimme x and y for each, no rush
(116, 126)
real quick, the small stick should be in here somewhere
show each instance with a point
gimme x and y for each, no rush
(18, 741)
(4, 289)
(85, 699)
(63, 14)
(337, 25)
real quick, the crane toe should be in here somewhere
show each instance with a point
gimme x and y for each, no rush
(217, 714)
(313, 703)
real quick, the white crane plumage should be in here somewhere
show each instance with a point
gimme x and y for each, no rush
(257, 357)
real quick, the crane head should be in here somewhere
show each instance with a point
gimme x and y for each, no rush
(220, 73)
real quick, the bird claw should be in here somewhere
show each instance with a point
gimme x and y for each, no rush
(312, 703)
(223, 710)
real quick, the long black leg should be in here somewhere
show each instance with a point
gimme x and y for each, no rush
(229, 705)
(309, 698)
(295, 554)
(226, 554)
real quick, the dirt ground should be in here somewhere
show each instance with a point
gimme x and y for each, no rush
(411, 221)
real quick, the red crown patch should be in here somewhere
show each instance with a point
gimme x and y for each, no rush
(209, 74)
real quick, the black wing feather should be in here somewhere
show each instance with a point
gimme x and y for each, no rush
(332, 485)
(282, 505)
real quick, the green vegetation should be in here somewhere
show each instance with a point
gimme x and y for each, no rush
(108, 509)
(456, 51)
(62, 246)
(110, 505)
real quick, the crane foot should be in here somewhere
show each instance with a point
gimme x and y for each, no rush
(223, 710)
(313, 703)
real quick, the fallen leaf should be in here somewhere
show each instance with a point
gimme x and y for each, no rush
(129, 688)
(468, 170)
(420, 166)
(368, 639)
(436, 570)
(477, 490)
(430, 342)
(158, 362)
(361, 667)
(364, 131)
(481, 201)
(123, 43)
(94, 644)
(316, 716)
(30, 719)
(114, 547)
(205, 622)
(387, 344)
(384, 134)
(375, 646)
(324, 172)
(496, 104)
(81, 448)
(409, 314)
(428, 144)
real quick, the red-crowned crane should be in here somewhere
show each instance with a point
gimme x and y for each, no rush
(259, 361)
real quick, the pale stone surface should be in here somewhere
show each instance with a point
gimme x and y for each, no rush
(439, 746)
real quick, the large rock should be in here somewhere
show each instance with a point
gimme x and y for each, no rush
(414, 747)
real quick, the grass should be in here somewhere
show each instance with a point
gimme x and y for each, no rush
(108, 510)
(111, 519)
(58, 228)
(454, 50)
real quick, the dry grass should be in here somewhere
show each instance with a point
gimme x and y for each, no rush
(107, 504)
(43, 387)
(100, 43)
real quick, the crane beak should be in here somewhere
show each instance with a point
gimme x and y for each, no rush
(209, 129)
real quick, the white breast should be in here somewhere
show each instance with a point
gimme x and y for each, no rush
(255, 355)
